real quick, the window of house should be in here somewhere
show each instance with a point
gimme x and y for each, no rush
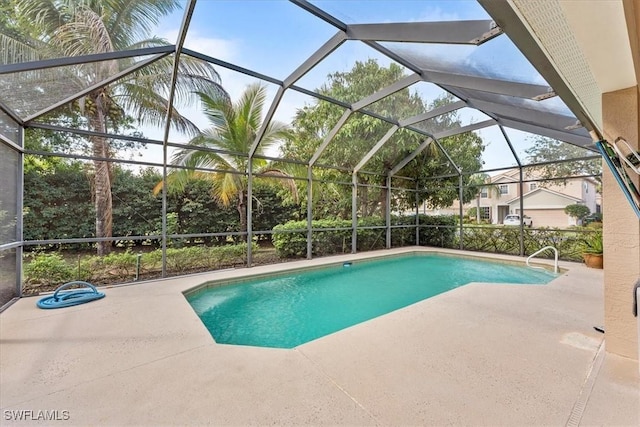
(533, 186)
(485, 212)
(484, 193)
(586, 187)
(504, 189)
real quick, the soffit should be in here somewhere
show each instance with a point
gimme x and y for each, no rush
(588, 44)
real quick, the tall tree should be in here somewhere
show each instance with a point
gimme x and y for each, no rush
(41, 29)
(361, 132)
(224, 147)
(550, 151)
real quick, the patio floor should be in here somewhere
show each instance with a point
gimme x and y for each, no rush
(477, 355)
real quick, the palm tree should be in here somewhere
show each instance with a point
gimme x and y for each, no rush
(226, 146)
(56, 29)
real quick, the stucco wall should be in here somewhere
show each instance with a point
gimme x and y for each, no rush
(621, 117)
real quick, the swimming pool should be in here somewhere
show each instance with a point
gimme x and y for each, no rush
(288, 310)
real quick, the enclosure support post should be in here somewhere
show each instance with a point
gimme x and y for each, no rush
(249, 210)
(164, 210)
(520, 187)
(417, 216)
(388, 212)
(354, 212)
(19, 213)
(309, 212)
(521, 190)
(461, 197)
(186, 19)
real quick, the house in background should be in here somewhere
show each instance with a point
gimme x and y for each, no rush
(543, 201)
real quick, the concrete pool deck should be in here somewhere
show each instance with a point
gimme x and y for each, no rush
(477, 355)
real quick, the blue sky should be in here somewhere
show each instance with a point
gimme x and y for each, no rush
(275, 37)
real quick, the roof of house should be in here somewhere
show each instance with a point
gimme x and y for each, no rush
(532, 193)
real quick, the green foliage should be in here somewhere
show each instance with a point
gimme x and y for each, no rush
(592, 243)
(577, 211)
(361, 132)
(506, 240)
(435, 231)
(48, 269)
(57, 204)
(7, 225)
(472, 212)
(233, 130)
(58, 29)
(549, 151)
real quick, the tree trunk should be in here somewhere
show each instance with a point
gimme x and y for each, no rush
(242, 211)
(478, 208)
(382, 198)
(102, 178)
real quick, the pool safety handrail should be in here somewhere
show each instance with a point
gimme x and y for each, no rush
(555, 265)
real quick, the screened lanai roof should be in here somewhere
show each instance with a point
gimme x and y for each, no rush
(464, 54)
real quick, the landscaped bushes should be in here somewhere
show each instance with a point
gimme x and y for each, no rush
(46, 271)
(506, 240)
(437, 231)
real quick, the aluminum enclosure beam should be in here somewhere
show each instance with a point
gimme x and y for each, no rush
(445, 32)
(389, 90)
(375, 148)
(325, 50)
(327, 139)
(527, 115)
(581, 141)
(332, 44)
(463, 129)
(231, 66)
(444, 109)
(182, 34)
(83, 59)
(99, 85)
(12, 114)
(319, 13)
(267, 120)
(411, 156)
(500, 87)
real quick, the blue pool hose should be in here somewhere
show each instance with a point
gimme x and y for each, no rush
(70, 297)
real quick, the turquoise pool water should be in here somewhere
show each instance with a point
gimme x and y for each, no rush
(288, 310)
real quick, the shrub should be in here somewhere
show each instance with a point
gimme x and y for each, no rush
(434, 231)
(438, 230)
(48, 269)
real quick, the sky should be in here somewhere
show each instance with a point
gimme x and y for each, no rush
(275, 37)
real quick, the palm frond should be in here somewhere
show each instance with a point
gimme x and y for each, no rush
(130, 20)
(149, 107)
(85, 34)
(283, 179)
(43, 16)
(14, 51)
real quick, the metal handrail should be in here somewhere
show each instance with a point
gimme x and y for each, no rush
(555, 266)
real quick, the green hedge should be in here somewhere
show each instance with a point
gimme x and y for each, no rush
(506, 240)
(437, 231)
(46, 271)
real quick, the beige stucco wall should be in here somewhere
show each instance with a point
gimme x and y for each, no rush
(621, 117)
